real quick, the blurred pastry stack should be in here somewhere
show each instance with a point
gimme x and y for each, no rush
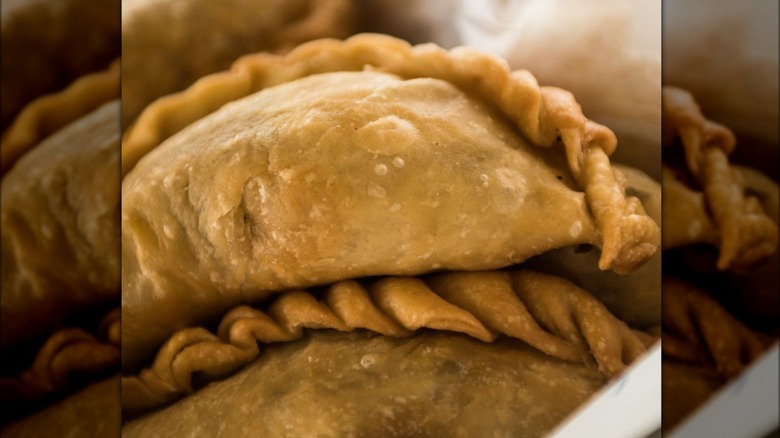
(721, 300)
(60, 208)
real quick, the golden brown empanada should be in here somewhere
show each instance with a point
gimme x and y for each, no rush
(709, 203)
(60, 230)
(744, 233)
(339, 187)
(60, 257)
(168, 44)
(704, 347)
(349, 174)
(550, 314)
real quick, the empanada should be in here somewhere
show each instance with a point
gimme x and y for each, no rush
(168, 44)
(360, 166)
(60, 257)
(709, 204)
(633, 298)
(745, 234)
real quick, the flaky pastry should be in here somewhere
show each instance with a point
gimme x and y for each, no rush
(400, 161)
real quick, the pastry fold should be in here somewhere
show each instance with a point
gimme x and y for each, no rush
(548, 313)
(745, 234)
(68, 352)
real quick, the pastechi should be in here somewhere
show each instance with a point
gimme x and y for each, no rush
(720, 239)
(371, 187)
(60, 262)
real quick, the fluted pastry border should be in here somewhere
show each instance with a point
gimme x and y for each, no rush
(545, 115)
(48, 114)
(67, 352)
(747, 235)
(547, 312)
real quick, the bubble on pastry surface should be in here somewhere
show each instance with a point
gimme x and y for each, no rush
(387, 135)
(398, 162)
(510, 179)
(380, 169)
(576, 228)
(376, 191)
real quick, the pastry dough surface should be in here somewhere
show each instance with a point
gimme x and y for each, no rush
(334, 176)
(635, 297)
(92, 412)
(60, 234)
(357, 384)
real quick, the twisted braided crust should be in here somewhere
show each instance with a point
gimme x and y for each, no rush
(746, 234)
(66, 353)
(548, 313)
(543, 114)
(697, 329)
(48, 114)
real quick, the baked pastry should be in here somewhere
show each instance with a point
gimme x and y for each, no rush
(60, 256)
(204, 37)
(580, 265)
(745, 233)
(711, 203)
(360, 166)
(69, 38)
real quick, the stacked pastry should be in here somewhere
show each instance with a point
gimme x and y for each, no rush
(59, 307)
(334, 240)
(720, 238)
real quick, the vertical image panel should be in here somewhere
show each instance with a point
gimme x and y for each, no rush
(720, 211)
(59, 219)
